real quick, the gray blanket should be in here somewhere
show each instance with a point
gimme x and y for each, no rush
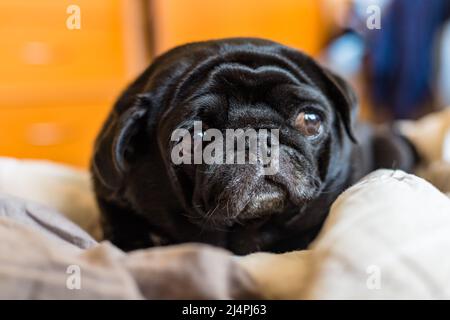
(45, 256)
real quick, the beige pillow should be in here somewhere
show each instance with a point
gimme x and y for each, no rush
(66, 189)
(387, 237)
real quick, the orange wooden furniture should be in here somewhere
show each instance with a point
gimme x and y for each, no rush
(57, 84)
(297, 23)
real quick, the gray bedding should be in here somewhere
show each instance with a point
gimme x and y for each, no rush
(45, 256)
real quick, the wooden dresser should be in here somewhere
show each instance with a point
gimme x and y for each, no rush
(57, 84)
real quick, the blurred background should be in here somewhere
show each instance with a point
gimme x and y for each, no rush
(62, 68)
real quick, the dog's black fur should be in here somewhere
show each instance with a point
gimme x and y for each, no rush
(146, 200)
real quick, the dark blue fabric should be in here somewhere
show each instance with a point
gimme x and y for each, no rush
(401, 54)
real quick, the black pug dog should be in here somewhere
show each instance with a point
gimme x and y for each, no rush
(147, 200)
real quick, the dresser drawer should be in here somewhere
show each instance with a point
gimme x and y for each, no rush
(63, 134)
(47, 62)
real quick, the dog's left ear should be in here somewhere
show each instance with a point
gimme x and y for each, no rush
(114, 145)
(346, 101)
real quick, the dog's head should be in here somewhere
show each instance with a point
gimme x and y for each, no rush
(196, 93)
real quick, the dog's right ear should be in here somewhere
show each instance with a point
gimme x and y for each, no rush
(114, 145)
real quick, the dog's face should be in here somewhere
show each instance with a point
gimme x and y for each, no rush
(238, 84)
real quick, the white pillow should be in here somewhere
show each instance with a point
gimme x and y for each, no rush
(387, 237)
(64, 188)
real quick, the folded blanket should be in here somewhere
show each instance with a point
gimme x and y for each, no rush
(45, 256)
(386, 237)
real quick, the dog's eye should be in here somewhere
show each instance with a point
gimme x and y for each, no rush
(309, 123)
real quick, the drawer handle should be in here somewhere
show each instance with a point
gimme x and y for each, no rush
(37, 53)
(47, 134)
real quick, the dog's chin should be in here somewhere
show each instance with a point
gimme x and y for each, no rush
(264, 203)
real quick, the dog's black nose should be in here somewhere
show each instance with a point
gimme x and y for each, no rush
(267, 198)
